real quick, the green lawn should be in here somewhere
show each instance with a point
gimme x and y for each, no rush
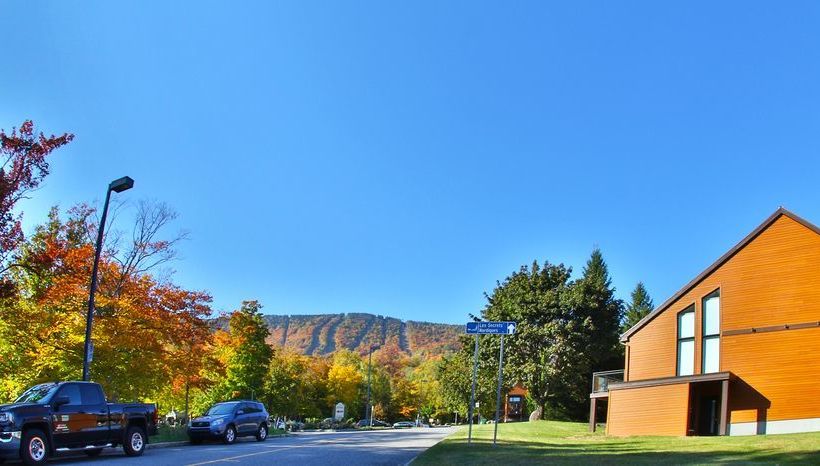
(570, 443)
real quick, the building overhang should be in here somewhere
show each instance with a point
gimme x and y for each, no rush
(714, 377)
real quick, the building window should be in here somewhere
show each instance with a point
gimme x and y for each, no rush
(686, 341)
(711, 333)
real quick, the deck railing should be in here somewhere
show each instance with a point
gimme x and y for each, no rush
(601, 380)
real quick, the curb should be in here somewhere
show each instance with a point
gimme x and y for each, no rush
(152, 446)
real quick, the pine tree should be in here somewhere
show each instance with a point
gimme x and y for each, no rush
(596, 320)
(640, 306)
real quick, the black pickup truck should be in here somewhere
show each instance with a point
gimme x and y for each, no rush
(53, 418)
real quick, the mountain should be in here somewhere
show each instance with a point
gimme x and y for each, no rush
(326, 333)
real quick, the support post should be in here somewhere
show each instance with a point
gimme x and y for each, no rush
(498, 392)
(471, 408)
(593, 403)
(89, 318)
(724, 408)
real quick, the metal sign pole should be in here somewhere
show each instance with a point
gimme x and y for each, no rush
(498, 394)
(472, 395)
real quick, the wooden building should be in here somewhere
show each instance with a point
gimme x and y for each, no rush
(735, 352)
(515, 405)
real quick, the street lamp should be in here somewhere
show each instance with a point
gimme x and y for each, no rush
(368, 410)
(118, 186)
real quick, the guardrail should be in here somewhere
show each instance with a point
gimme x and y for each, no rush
(601, 380)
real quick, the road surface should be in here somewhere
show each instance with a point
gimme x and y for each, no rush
(360, 448)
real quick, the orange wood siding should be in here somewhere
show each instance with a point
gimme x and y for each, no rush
(773, 280)
(653, 350)
(648, 411)
(780, 369)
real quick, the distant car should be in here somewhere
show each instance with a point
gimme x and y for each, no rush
(404, 425)
(376, 423)
(229, 421)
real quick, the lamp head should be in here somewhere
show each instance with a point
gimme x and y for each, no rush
(123, 184)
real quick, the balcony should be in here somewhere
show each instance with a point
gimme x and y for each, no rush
(601, 380)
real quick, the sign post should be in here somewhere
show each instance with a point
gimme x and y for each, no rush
(498, 393)
(472, 394)
(488, 328)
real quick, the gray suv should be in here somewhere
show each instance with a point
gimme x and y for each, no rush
(230, 420)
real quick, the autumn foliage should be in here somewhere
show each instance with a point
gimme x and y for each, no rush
(156, 341)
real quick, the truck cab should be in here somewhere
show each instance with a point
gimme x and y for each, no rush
(59, 417)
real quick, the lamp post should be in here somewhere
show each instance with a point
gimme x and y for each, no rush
(368, 409)
(118, 186)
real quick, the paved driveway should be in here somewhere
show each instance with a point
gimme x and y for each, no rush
(382, 447)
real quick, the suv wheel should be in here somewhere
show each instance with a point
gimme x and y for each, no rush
(134, 444)
(230, 435)
(262, 433)
(34, 449)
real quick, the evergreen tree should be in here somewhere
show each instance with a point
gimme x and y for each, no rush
(638, 308)
(597, 315)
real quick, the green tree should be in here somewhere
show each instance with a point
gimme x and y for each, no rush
(454, 375)
(596, 314)
(544, 352)
(640, 305)
(250, 357)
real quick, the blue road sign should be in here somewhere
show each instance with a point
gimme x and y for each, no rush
(490, 328)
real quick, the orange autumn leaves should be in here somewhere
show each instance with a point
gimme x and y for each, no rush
(146, 331)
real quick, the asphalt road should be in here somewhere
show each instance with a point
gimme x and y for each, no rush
(360, 448)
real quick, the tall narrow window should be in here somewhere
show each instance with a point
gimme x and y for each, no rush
(711, 333)
(686, 341)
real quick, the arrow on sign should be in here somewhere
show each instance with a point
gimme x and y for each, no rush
(510, 328)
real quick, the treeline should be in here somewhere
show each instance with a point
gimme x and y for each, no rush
(567, 329)
(154, 340)
(302, 387)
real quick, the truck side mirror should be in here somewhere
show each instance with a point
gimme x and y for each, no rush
(60, 401)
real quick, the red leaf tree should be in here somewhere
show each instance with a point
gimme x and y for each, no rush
(23, 155)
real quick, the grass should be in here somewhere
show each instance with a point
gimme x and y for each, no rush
(180, 434)
(569, 443)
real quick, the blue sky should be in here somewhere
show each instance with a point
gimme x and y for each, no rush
(400, 157)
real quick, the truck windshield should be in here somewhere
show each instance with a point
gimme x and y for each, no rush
(38, 394)
(221, 409)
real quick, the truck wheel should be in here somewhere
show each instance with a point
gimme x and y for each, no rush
(134, 444)
(262, 433)
(34, 449)
(230, 435)
(93, 453)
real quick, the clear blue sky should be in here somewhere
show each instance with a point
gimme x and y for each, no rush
(400, 157)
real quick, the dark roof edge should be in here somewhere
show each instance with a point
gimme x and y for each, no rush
(766, 223)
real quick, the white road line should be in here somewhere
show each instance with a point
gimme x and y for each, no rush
(238, 457)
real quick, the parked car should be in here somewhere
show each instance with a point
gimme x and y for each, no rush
(376, 423)
(230, 420)
(53, 418)
(404, 425)
(295, 426)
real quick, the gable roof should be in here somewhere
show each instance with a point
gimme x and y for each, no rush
(722, 260)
